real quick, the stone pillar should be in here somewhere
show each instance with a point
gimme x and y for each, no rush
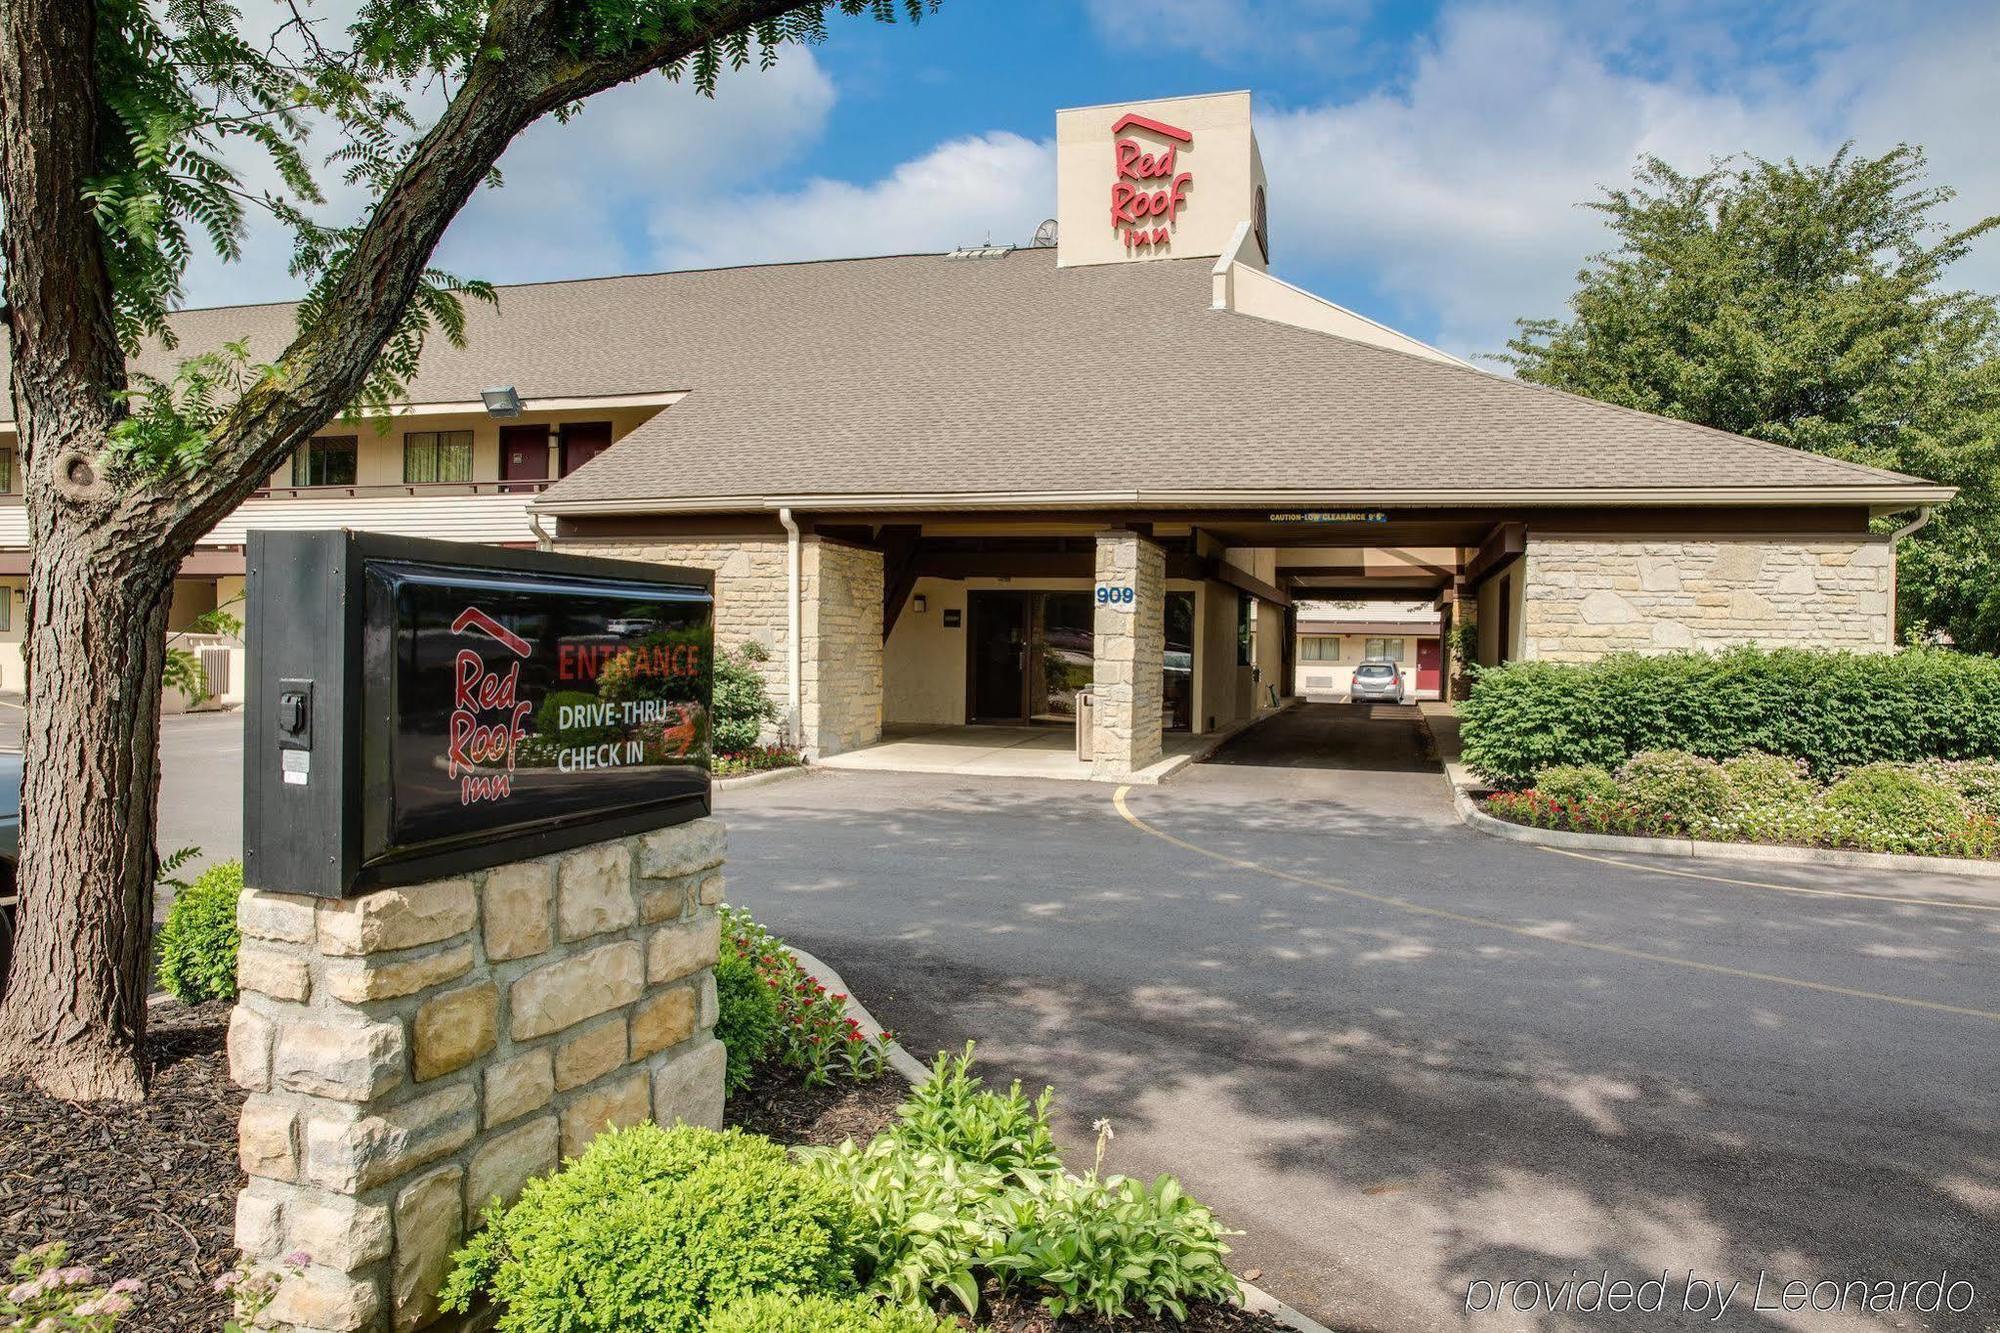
(417, 1052)
(1130, 644)
(840, 642)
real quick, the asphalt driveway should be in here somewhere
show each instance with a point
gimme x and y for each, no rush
(1408, 1059)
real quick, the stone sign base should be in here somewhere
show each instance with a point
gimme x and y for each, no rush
(415, 1053)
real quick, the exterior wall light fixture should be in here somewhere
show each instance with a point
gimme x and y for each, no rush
(501, 402)
(918, 604)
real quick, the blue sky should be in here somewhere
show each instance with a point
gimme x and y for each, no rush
(1426, 159)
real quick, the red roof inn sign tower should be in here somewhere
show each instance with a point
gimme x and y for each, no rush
(1183, 176)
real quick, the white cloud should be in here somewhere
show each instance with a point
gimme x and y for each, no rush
(1456, 190)
(577, 194)
(963, 192)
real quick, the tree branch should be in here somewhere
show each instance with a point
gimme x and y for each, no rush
(323, 370)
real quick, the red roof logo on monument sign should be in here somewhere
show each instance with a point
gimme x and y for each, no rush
(1147, 195)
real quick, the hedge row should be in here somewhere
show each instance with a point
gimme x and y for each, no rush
(1835, 711)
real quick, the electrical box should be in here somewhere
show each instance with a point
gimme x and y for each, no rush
(417, 709)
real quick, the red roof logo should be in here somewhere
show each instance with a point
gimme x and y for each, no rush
(1156, 126)
(1148, 190)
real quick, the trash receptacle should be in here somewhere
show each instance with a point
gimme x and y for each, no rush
(1086, 708)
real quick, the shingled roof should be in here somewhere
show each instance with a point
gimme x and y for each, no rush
(934, 379)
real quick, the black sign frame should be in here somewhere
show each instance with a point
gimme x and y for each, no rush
(315, 799)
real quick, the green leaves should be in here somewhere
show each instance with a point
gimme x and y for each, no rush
(952, 1113)
(169, 430)
(1832, 710)
(653, 1229)
(1805, 305)
(199, 942)
(967, 1183)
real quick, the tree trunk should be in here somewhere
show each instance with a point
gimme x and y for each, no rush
(98, 578)
(74, 1018)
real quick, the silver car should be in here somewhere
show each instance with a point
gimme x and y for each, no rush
(1377, 682)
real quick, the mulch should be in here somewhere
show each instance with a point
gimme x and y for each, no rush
(774, 1105)
(145, 1191)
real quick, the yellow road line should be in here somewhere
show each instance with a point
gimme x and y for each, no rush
(1774, 888)
(1616, 950)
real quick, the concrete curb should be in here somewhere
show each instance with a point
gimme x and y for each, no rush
(1458, 781)
(1255, 1299)
(742, 780)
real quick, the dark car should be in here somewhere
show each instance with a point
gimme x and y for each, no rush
(1377, 682)
(10, 854)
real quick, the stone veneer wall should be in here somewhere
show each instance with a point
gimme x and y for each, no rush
(1130, 643)
(842, 670)
(414, 1053)
(840, 618)
(1584, 598)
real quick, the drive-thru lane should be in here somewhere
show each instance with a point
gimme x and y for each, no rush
(1408, 1058)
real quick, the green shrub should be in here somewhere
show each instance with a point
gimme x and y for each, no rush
(934, 1224)
(1677, 785)
(746, 1020)
(1977, 780)
(1762, 780)
(740, 706)
(1890, 807)
(952, 1112)
(198, 943)
(1574, 783)
(1109, 1247)
(1835, 711)
(654, 1229)
(826, 1314)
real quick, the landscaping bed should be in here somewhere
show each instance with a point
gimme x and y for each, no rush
(839, 1199)
(775, 1105)
(1936, 808)
(144, 1191)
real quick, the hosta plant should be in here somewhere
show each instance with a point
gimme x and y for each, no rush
(1107, 1246)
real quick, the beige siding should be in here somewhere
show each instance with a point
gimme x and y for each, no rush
(1333, 679)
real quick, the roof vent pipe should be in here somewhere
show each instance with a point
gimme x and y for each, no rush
(791, 626)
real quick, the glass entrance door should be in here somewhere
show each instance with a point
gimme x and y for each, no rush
(1062, 652)
(997, 656)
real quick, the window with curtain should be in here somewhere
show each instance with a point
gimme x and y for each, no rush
(437, 455)
(6, 608)
(1246, 628)
(1320, 648)
(6, 471)
(324, 460)
(1385, 650)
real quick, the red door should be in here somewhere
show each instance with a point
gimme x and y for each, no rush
(583, 441)
(524, 455)
(1429, 665)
